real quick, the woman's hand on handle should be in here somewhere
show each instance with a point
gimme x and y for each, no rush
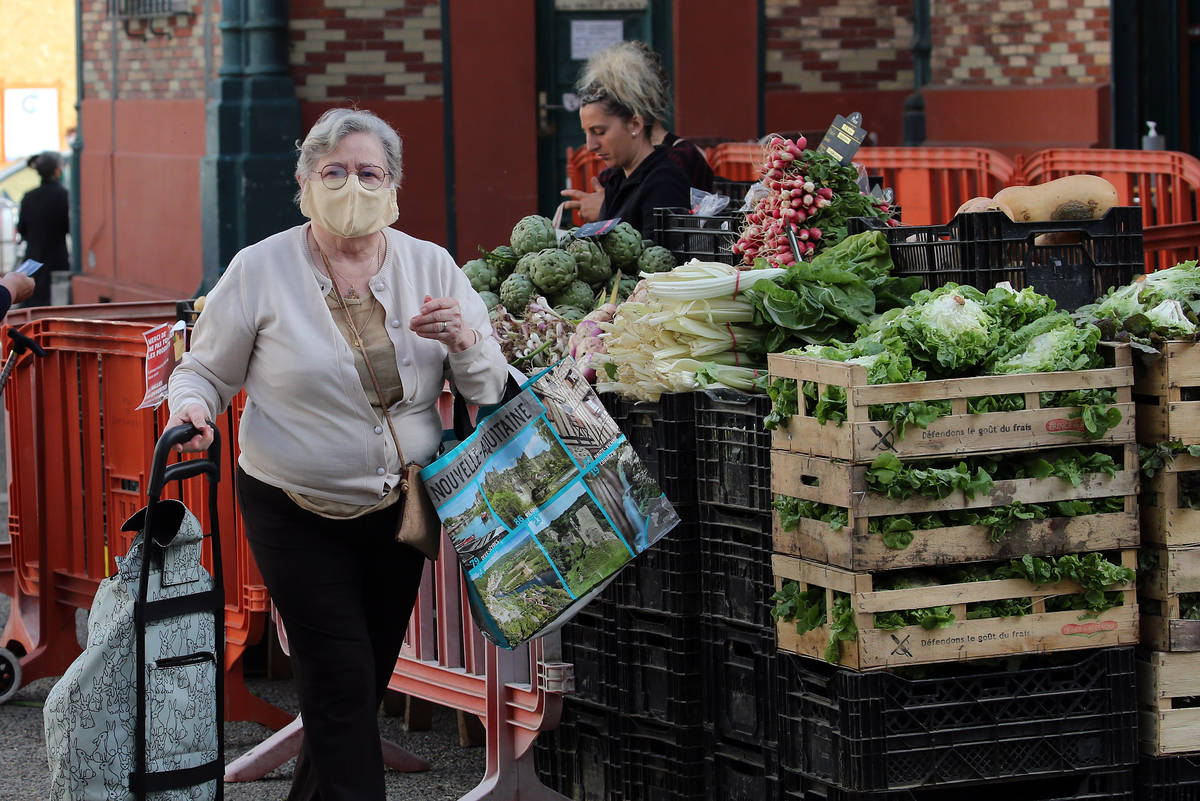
(197, 415)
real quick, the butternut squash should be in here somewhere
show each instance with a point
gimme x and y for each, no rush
(1075, 197)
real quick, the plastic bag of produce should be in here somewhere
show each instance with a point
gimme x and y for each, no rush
(544, 503)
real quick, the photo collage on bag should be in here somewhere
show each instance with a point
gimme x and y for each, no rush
(556, 508)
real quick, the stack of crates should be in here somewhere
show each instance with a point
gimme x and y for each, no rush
(637, 651)
(1167, 391)
(977, 707)
(733, 467)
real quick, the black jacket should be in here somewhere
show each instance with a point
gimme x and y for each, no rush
(656, 183)
(44, 224)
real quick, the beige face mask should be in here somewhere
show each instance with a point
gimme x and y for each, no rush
(351, 211)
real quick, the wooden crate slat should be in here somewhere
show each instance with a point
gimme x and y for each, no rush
(1163, 413)
(957, 433)
(964, 639)
(1163, 678)
(1163, 521)
(856, 550)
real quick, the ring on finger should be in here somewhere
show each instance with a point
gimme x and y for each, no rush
(443, 326)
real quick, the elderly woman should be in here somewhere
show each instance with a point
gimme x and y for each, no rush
(310, 321)
(626, 97)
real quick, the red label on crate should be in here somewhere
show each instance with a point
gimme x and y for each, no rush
(1094, 627)
(1058, 424)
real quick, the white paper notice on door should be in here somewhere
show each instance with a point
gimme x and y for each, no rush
(589, 36)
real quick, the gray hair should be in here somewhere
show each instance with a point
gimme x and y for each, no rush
(629, 78)
(333, 126)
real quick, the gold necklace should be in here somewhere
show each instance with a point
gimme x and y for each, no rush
(342, 300)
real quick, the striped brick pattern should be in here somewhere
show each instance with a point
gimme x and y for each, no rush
(838, 45)
(154, 68)
(366, 49)
(1021, 42)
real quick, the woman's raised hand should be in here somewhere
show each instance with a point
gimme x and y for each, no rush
(197, 415)
(441, 319)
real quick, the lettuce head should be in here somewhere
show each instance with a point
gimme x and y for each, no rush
(1048, 345)
(950, 328)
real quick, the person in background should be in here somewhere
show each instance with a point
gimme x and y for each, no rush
(343, 332)
(44, 222)
(624, 96)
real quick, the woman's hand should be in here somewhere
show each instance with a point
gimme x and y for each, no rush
(441, 319)
(588, 203)
(19, 286)
(197, 415)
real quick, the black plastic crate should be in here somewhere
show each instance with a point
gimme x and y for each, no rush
(1111, 784)
(586, 761)
(663, 434)
(665, 577)
(662, 762)
(739, 678)
(589, 642)
(660, 678)
(733, 450)
(737, 773)
(958, 723)
(735, 566)
(985, 248)
(1174, 778)
(689, 236)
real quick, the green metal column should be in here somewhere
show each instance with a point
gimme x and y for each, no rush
(253, 121)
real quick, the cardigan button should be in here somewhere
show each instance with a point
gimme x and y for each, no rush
(378, 429)
(381, 471)
(395, 323)
(378, 287)
(406, 361)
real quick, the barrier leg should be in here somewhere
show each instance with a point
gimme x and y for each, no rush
(285, 744)
(509, 777)
(43, 634)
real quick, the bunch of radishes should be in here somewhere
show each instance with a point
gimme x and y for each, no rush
(791, 198)
(809, 192)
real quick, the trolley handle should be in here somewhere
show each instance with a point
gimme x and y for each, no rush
(161, 473)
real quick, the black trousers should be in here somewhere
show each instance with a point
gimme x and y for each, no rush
(345, 590)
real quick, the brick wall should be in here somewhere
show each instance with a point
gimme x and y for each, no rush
(1021, 42)
(153, 68)
(366, 49)
(838, 45)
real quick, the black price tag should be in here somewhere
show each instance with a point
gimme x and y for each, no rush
(596, 228)
(844, 137)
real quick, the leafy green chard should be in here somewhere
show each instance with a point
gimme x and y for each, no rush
(793, 510)
(1156, 458)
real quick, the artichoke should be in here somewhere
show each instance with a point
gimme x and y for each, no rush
(578, 294)
(592, 264)
(481, 274)
(656, 259)
(490, 299)
(623, 244)
(516, 292)
(552, 270)
(523, 265)
(531, 234)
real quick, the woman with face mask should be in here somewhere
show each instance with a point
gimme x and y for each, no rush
(624, 94)
(342, 332)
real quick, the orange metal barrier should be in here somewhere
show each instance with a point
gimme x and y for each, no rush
(1165, 183)
(78, 461)
(582, 166)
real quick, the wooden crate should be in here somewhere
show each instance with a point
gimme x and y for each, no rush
(852, 547)
(1160, 386)
(1163, 626)
(1166, 724)
(1164, 522)
(860, 439)
(964, 639)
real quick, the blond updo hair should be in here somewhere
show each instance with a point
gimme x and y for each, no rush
(629, 79)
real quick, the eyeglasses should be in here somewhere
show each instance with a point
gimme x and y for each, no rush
(334, 176)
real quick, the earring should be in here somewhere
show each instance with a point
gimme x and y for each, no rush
(635, 133)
